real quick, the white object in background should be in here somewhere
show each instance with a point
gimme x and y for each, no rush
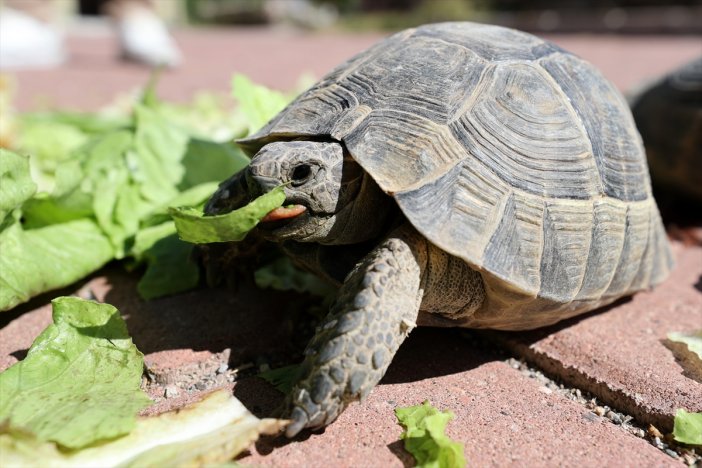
(26, 42)
(144, 38)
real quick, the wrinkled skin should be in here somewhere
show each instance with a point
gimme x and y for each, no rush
(352, 233)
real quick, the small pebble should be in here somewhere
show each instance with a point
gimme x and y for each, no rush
(223, 368)
(654, 432)
(171, 391)
(201, 385)
(671, 453)
(599, 411)
(614, 417)
(639, 433)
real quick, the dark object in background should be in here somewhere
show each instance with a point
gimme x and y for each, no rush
(92, 7)
(668, 115)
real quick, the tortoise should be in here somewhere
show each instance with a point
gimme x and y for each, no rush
(668, 115)
(454, 174)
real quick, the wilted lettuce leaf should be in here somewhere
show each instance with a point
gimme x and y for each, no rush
(79, 383)
(258, 103)
(38, 260)
(211, 431)
(193, 226)
(688, 427)
(425, 438)
(16, 184)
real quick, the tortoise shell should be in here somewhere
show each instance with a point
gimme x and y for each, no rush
(503, 150)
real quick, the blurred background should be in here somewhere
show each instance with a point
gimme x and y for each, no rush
(276, 42)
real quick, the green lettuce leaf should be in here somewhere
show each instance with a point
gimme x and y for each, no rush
(207, 161)
(38, 260)
(688, 427)
(49, 142)
(159, 150)
(205, 433)
(283, 378)
(282, 275)
(16, 184)
(193, 226)
(114, 177)
(79, 383)
(258, 103)
(425, 438)
(170, 266)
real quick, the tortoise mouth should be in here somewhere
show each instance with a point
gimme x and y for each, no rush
(284, 228)
(283, 213)
(285, 219)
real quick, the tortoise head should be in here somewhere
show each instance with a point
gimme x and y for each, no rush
(342, 204)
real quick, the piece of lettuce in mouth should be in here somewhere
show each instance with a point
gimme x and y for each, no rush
(195, 227)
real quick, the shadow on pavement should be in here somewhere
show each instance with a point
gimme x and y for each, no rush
(249, 321)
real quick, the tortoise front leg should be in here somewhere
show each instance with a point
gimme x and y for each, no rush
(375, 310)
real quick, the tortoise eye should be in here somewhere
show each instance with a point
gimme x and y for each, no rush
(301, 173)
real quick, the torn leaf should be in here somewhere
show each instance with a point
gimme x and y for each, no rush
(425, 438)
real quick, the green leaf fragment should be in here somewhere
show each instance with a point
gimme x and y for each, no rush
(425, 438)
(207, 161)
(156, 161)
(38, 260)
(193, 226)
(79, 383)
(170, 267)
(282, 275)
(283, 378)
(688, 427)
(16, 184)
(258, 103)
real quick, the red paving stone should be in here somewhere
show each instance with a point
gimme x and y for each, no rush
(620, 354)
(502, 416)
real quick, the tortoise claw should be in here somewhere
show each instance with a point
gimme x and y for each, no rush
(298, 422)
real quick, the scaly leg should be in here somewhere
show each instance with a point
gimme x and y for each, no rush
(375, 310)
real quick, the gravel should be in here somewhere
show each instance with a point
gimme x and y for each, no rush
(690, 456)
